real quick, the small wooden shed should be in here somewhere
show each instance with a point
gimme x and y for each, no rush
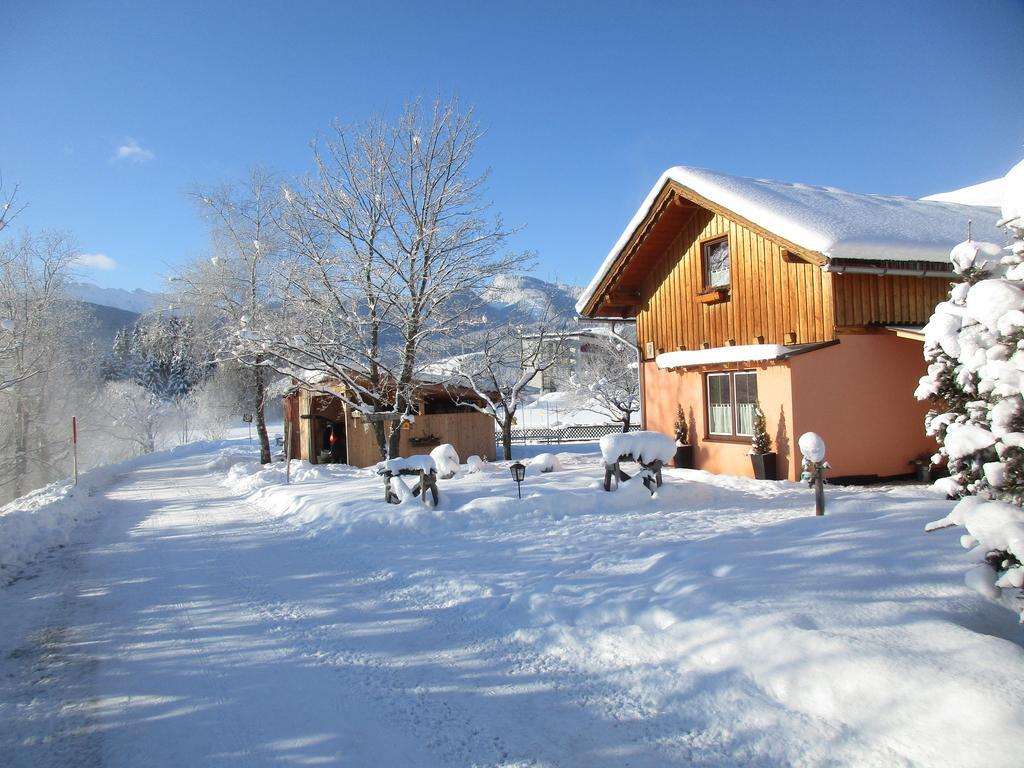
(324, 430)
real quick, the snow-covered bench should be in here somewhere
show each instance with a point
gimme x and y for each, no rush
(651, 450)
(420, 466)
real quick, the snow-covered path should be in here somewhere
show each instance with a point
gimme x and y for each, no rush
(192, 630)
(713, 625)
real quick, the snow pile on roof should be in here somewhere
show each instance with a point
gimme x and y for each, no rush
(829, 221)
(738, 354)
(642, 446)
(1012, 203)
(987, 193)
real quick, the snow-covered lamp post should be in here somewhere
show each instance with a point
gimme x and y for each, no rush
(814, 465)
(518, 471)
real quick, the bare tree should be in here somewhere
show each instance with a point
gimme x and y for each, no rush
(390, 246)
(232, 289)
(45, 361)
(8, 210)
(609, 376)
(509, 360)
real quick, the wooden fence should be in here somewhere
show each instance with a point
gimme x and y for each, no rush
(571, 433)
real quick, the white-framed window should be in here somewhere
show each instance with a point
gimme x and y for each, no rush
(732, 398)
(715, 262)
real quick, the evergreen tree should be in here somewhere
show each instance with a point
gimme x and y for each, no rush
(974, 345)
(761, 443)
(682, 429)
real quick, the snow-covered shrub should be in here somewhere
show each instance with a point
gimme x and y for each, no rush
(974, 345)
(447, 460)
(545, 462)
(761, 442)
(476, 464)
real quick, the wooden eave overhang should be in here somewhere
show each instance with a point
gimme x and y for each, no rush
(619, 293)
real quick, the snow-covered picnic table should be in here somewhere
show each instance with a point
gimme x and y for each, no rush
(422, 466)
(651, 450)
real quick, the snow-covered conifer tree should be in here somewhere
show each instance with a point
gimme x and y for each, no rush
(974, 345)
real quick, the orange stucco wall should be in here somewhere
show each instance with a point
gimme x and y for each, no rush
(858, 395)
(665, 390)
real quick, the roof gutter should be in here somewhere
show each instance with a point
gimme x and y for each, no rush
(845, 269)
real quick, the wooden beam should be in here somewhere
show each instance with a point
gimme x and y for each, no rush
(627, 298)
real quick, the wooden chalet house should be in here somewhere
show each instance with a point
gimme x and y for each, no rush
(808, 300)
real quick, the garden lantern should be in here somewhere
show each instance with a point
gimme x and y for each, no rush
(813, 449)
(518, 471)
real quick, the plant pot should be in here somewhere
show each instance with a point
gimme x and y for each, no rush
(764, 465)
(684, 457)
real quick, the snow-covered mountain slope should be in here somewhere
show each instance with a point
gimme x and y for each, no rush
(136, 300)
(520, 297)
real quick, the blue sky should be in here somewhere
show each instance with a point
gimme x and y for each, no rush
(584, 104)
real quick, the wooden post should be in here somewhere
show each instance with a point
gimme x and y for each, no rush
(288, 453)
(819, 492)
(74, 446)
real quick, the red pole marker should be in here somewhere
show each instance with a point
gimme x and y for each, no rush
(74, 445)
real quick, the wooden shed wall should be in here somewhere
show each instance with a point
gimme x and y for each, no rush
(893, 300)
(768, 297)
(470, 432)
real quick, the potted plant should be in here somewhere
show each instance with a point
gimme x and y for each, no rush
(762, 458)
(684, 451)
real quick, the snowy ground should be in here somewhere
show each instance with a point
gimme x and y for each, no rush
(209, 615)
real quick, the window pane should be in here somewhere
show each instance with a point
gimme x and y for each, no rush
(746, 402)
(719, 404)
(716, 263)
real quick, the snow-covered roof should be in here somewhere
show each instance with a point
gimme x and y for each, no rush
(744, 353)
(831, 222)
(987, 193)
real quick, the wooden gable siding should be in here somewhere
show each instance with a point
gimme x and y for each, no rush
(768, 297)
(890, 300)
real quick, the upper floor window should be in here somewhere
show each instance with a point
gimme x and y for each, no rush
(715, 262)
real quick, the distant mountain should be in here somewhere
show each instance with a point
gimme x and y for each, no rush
(137, 300)
(518, 299)
(108, 321)
(521, 298)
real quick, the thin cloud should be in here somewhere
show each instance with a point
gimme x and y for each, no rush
(96, 261)
(131, 151)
